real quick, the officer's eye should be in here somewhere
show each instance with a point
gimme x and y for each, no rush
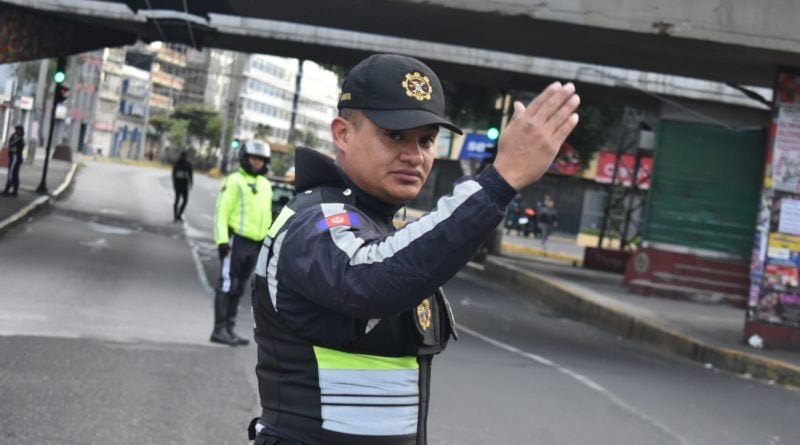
(427, 141)
(394, 135)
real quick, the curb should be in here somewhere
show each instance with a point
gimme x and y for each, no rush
(7, 223)
(609, 317)
(516, 248)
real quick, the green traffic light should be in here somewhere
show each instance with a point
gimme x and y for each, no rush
(235, 143)
(60, 76)
(492, 133)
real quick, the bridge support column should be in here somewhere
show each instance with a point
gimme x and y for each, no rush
(773, 310)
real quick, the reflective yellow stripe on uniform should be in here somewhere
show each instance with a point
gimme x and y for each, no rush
(284, 216)
(368, 394)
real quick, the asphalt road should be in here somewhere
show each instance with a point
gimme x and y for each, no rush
(106, 312)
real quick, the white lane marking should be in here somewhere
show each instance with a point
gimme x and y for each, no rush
(198, 264)
(586, 381)
(112, 212)
(109, 229)
(96, 245)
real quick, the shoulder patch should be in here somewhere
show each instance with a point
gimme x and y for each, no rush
(349, 219)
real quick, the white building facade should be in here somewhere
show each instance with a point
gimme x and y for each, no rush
(266, 99)
(129, 131)
(108, 97)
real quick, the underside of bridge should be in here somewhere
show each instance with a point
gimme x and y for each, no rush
(31, 33)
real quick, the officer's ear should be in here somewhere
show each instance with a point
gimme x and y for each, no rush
(342, 133)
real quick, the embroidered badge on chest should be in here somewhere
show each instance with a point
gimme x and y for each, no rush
(424, 314)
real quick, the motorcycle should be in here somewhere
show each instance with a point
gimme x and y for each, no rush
(527, 222)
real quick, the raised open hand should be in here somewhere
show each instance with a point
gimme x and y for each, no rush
(535, 133)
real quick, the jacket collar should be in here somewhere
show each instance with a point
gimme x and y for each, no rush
(317, 170)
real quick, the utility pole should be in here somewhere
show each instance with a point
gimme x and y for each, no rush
(298, 80)
(232, 105)
(59, 95)
(40, 108)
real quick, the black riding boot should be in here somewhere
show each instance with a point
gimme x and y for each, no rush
(232, 309)
(220, 333)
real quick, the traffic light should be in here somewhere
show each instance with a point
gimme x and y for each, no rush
(61, 70)
(492, 133)
(61, 93)
(236, 143)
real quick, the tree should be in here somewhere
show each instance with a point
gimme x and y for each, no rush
(204, 123)
(471, 106)
(161, 123)
(263, 131)
(213, 129)
(593, 130)
(310, 139)
(295, 136)
(178, 135)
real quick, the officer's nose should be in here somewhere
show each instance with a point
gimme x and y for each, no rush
(412, 153)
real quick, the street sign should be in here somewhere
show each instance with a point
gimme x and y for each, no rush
(25, 103)
(475, 146)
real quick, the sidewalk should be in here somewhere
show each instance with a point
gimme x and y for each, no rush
(16, 209)
(710, 334)
(559, 246)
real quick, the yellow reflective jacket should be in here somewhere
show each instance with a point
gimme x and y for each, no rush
(244, 206)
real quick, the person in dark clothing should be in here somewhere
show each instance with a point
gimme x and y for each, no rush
(547, 217)
(16, 144)
(349, 310)
(181, 182)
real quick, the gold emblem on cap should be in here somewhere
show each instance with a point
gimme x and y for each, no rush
(417, 86)
(424, 314)
(346, 96)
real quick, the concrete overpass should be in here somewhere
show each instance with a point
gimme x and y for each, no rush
(736, 41)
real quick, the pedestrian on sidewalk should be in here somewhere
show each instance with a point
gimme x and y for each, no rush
(548, 219)
(243, 216)
(15, 146)
(348, 310)
(182, 183)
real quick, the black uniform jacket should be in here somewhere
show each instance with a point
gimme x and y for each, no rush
(337, 268)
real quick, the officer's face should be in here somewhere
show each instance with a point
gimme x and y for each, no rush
(390, 165)
(256, 162)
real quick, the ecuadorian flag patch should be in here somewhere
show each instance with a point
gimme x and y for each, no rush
(348, 219)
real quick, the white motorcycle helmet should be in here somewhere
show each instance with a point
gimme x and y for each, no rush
(257, 148)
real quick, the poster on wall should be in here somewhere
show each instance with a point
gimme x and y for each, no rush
(786, 149)
(779, 308)
(789, 219)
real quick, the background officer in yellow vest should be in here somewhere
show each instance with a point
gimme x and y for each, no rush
(241, 221)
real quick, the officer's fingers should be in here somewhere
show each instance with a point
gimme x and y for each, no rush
(565, 129)
(519, 110)
(554, 102)
(537, 103)
(566, 109)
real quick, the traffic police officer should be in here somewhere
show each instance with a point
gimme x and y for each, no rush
(241, 221)
(348, 310)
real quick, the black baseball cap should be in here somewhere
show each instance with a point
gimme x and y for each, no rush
(396, 93)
